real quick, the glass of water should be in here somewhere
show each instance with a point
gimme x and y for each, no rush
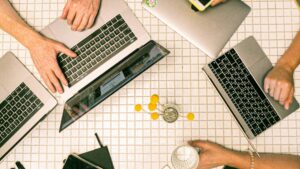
(185, 157)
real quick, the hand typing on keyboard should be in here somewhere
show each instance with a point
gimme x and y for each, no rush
(44, 55)
(279, 82)
(43, 51)
(81, 14)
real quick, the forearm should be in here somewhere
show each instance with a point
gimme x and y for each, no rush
(291, 57)
(241, 160)
(13, 24)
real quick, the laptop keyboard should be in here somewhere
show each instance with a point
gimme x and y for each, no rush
(96, 49)
(16, 110)
(244, 92)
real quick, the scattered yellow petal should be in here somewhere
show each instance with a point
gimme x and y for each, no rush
(154, 99)
(138, 107)
(154, 116)
(190, 116)
(152, 106)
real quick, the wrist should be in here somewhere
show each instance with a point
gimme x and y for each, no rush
(34, 39)
(238, 160)
(287, 63)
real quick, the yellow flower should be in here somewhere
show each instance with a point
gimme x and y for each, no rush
(152, 106)
(138, 107)
(154, 116)
(190, 116)
(154, 99)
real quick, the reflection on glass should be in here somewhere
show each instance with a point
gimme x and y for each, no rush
(109, 82)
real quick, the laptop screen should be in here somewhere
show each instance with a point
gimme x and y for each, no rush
(112, 80)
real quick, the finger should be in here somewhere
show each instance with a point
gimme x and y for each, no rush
(48, 83)
(272, 87)
(91, 20)
(76, 22)
(71, 16)
(284, 95)
(66, 10)
(289, 100)
(277, 92)
(55, 82)
(267, 85)
(83, 23)
(63, 49)
(60, 75)
(198, 143)
(216, 2)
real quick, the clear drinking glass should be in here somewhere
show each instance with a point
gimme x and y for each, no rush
(185, 157)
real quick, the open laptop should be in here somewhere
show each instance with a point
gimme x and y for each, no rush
(209, 30)
(115, 34)
(111, 81)
(24, 102)
(238, 76)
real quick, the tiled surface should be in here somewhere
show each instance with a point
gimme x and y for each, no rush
(134, 140)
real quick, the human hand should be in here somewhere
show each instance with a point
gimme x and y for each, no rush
(81, 14)
(211, 154)
(279, 84)
(44, 55)
(216, 2)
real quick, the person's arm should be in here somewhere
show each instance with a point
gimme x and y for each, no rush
(214, 155)
(81, 14)
(279, 82)
(43, 51)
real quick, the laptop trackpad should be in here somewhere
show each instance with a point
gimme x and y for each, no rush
(63, 33)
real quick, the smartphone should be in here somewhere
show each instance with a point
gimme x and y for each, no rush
(201, 5)
(76, 162)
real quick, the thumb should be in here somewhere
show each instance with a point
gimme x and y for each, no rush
(63, 49)
(198, 143)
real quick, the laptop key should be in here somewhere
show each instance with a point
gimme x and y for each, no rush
(98, 45)
(118, 17)
(3, 104)
(89, 65)
(10, 120)
(32, 99)
(98, 59)
(8, 107)
(6, 124)
(2, 128)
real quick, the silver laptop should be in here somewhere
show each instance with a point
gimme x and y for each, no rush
(209, 30)
(238, 76)
(115, 34)
(24, 102)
